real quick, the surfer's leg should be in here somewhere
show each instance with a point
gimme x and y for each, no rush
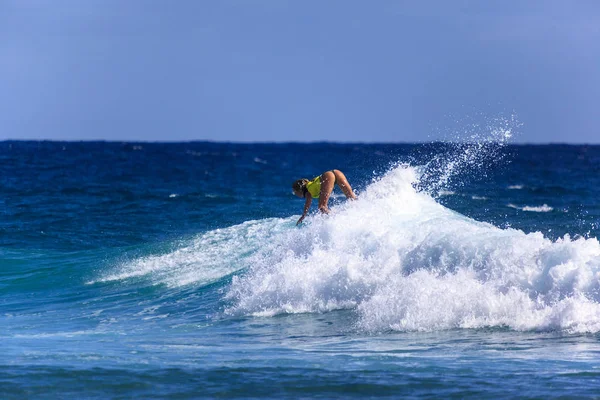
(342, 182)
(327, 182)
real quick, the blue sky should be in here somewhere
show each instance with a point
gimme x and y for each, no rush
(381, 71)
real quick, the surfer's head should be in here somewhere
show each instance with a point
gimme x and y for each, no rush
(299, 187)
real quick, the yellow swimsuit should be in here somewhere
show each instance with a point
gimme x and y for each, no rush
(314, 187)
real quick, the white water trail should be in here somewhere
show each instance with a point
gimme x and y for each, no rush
(202, 260)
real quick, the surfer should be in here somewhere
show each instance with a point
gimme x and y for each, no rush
(321, 188)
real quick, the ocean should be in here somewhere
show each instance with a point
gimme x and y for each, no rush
(176, 270)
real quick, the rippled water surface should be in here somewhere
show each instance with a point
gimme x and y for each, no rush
(176, 271)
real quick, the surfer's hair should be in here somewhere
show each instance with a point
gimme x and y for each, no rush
(300, 185)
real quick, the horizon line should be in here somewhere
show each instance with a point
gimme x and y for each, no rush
(126, 141)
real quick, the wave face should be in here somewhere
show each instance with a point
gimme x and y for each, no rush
(405, 262)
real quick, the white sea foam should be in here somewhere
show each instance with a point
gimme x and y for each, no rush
(259, 160)
(516, 187)
(405, 262)
(446, 193)
(542, 208)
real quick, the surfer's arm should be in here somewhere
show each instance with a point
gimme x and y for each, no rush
(306, 208)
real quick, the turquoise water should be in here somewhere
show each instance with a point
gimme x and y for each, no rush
(176, 271)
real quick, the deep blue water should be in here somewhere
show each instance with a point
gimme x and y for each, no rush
(152, 270)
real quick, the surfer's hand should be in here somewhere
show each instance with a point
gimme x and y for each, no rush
(300, 220)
